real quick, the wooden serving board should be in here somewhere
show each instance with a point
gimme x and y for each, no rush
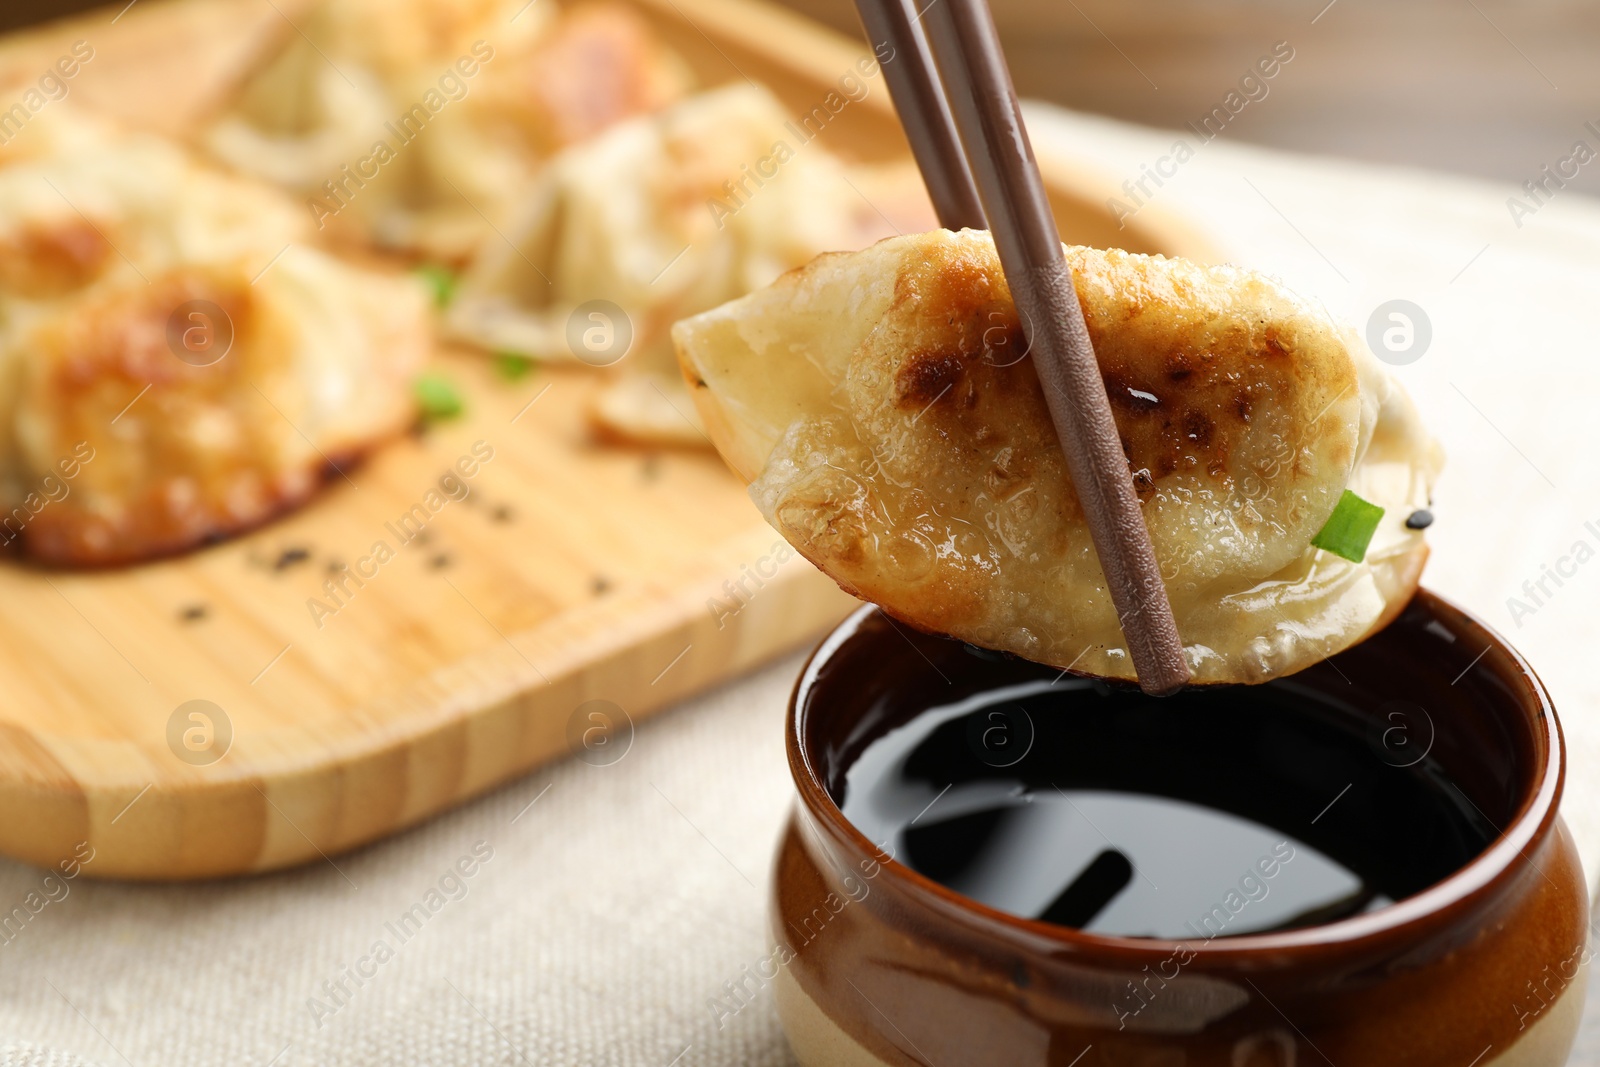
(571, 572)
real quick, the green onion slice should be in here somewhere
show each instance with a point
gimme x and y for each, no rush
(438, 397)
(1350, 528)
(441, 282)
(512, 366)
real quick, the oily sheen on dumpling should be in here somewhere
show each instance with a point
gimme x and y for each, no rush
(884, 410)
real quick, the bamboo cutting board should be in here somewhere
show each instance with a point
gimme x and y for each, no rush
(253, 706)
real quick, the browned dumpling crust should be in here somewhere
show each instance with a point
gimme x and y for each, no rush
(883, 406)
(600, 63)
(175, 364)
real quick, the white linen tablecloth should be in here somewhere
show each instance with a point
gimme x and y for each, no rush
(597, 923)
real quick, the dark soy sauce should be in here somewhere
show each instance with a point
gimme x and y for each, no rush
(1208, 814)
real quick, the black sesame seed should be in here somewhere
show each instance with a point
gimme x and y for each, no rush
(289, 557)
(194, 613)
(1420, 519)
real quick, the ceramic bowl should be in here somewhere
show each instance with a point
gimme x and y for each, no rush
(877, 964)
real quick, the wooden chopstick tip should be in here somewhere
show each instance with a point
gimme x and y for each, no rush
(1166, 686)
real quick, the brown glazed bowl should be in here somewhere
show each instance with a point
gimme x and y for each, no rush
(877, 964)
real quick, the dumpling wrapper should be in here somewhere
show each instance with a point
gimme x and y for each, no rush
(883, 408)
(103, 241)
(473, 143)
(646, 217)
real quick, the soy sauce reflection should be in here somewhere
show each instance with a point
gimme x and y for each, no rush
(1203, 815)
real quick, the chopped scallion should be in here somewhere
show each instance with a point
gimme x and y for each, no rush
(1349, 529)
(438, 397)
(512, 366)
(441, 282)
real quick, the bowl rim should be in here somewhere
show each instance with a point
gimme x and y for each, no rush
(1477, 883)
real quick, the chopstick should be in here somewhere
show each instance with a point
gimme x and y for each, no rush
(976, 86)
(917, 96)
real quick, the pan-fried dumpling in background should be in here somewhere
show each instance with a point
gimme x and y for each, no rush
(597, 65)
(664, 217)
(418, 126)
(166, 338)
(894, 431)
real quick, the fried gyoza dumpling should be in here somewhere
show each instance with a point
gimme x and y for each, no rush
(167, 342)
(418, 126)
(894, 431)
(648, 218)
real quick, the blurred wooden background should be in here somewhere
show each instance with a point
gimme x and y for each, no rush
(1497, 88)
